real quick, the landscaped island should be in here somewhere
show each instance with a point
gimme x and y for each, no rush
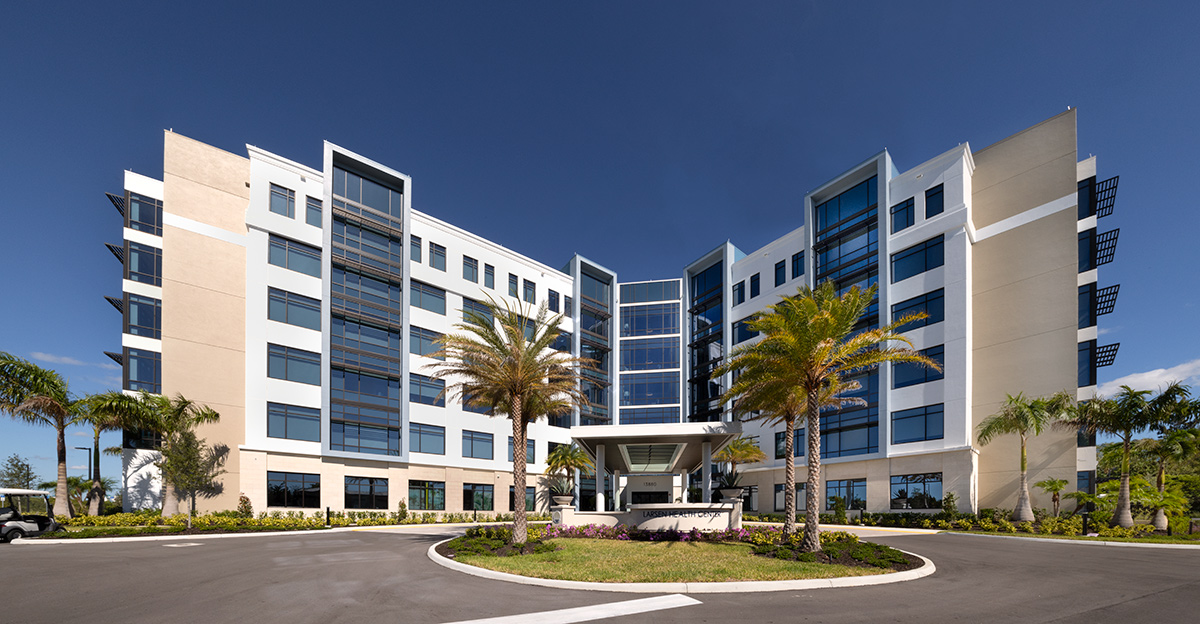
(627, 555)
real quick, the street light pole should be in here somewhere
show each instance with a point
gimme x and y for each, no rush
(89, 451)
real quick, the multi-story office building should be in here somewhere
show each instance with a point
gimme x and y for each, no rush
(303, 305)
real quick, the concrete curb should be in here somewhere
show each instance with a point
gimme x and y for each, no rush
(689, 588)
(1084, 542)
(854, 527)
(162, 538)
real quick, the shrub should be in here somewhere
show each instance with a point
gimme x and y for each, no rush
(839, 510)
(963, 524)
(950, 505)
(1004, 526)
(1026, 527)
(245, 509)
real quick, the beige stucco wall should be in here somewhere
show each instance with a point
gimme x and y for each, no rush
(203, 316)
(1025, 299)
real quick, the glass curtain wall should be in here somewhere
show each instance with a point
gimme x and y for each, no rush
(366, 331)
(650, 354)
(705, 342)
(595, 340)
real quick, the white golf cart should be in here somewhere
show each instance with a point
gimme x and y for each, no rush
(25, 513)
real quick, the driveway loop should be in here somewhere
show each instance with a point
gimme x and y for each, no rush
(690, 588)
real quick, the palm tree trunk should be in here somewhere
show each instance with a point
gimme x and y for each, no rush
(1160, 514)
(1122, 516)
(96, 495)
(789, 477)
(520, 532)
(62, 500)
(812, 520)
(1023, 511)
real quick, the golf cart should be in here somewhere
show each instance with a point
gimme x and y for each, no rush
(25, 513)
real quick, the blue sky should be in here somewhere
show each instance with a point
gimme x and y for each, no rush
(666, 126)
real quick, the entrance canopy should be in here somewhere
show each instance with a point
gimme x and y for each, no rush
(654, 449)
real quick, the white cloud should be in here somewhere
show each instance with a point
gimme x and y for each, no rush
(108, 366)
(57, 359)
(1188, 373)
(82, 434)
(77, 467)
(1104, 331)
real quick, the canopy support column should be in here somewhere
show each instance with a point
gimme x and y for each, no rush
(600, 477)
(706, 471)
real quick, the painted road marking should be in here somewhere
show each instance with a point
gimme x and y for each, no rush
(183, 545)
(593, 612)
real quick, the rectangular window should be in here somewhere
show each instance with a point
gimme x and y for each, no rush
(742, 332)
(1087, 364)
(801, 499)
(426, 390)
(1087, 250)
(422, 341)
(530, 291)
(1087, 197)
(1087, 305)
(918, 424)
(754, 288)
(414, 248)
(649, 389)
(903, 215)
(530, 497)
(143, 316)
(489, 276)
(649, 354)
(917, 259)
(365, 296)
(567, 303)
(293, 489)
(931, 303)
(427, 297)
(1084, 438)
(649, 415)
(935, 202)
(315, 207)
(910, 374)
(295, 256)
(477, 496)
(797, 264)
(364, 346)
(780, 272)
(143, 214)
(646, 292)
(292, 422)
(359, 438)
(797, 443)
(369, 193)
(376, 390)
(427, 495)
(143, 370)
(852, 491)
(917, 491)
(470, 305)
(512, 285)
(366, 493)
(429, 439)
(739, 292)
(293, 309)
(470, 269)
(529, 454)
(143, 263)
(650, 320)
(283, 201)
(437, 256)
(291, 364)
(477, 444)
(552, 300)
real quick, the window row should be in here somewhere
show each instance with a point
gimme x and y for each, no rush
(903, 213)
(303, 490)
(283, 202)
(911, 425)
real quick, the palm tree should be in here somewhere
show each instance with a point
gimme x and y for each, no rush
(740, 450)
(1024, 417)
(1121, 416)
(508, 366)
(1053, 487)
(809, 346)
(101, 421)
(40, 396)
(1173, 446)
(168, 417)
(566, 459)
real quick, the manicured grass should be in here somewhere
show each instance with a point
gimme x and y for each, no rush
(614, 561)
(1151, 539)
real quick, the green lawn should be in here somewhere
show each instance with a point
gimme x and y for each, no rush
(1152, 539)
(613, 561)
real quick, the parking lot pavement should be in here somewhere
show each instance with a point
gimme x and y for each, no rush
(384, 576)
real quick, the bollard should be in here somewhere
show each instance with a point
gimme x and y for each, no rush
(1085, 522)
(326, 516)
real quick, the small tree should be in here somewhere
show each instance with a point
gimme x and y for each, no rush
(1052, 487)
(193, 467)
(17, 473)
(740, 450)
(1173, 446)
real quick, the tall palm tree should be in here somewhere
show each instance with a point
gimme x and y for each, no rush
(1054, 488)
(1024, 417)
(1122, 416)
(1173, 446)
(809, 346)
(40, 396)
(101, 421)
(508, 366)
(168, 417)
